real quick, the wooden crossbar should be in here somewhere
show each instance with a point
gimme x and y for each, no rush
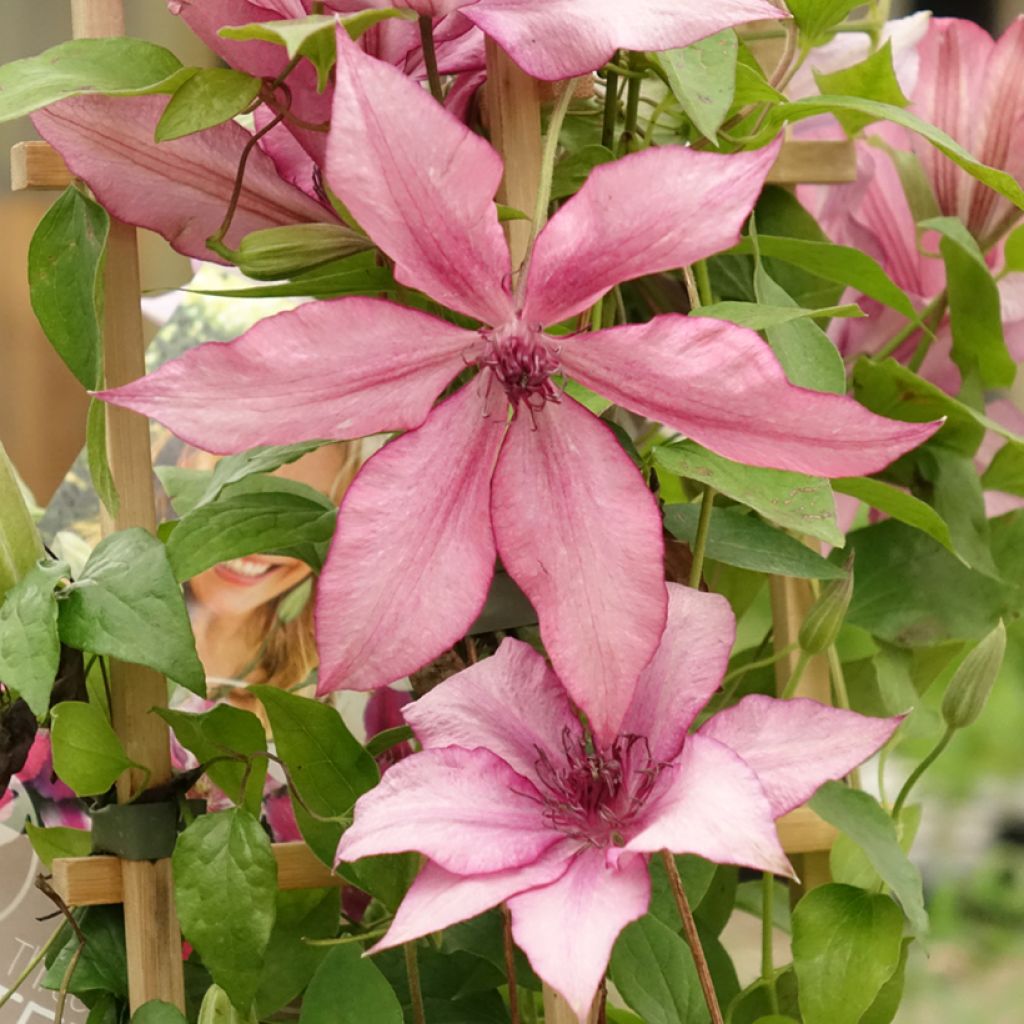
(36, 165)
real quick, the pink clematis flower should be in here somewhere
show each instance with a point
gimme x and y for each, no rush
(510, 802)
(554, 39)
(507, 465)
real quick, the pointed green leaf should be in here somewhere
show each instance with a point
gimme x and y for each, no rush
(815, 17)
(702, 78)
(87, 754)
(349, 989)
(97, 458)
(873, 79)
(792, 500)
(225, 888)
(125, 592)
(760, 316)
(65, 279)
(58, 841)
(29, 642)
(847, 944)
(207, 98)
(897, 504)
(859, 815)
(1006, 470)
(746, 541)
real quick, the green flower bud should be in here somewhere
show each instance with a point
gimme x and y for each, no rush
(280, 252)
(20, 547)
(972, 682)
(824, 620)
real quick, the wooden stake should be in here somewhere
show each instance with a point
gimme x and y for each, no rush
(152, 934)
(557, 1011)
(513, 116)
(791, 599)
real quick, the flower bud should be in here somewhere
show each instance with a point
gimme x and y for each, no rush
(972, 682)
(20, 546)
(825, 618)
(281, 251)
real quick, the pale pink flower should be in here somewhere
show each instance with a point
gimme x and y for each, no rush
(507, 465)
(511, 801)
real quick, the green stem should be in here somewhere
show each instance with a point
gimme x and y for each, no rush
(700, 268)
(412, 968)
(842, 697)
(430, 57)
(739, 673)
(767, 948)
(632, 110)
(700, 543)
(896, 340)
(692, 938)
(611, 108)
(919, 771)
(794, 679)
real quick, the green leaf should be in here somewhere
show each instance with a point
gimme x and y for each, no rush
(702, 78)
(848, 862)
(327, 764)
(653, 969)
(262, 459)
(846, 946)
(20, 546)
(87, 754)
(326, 282)
(225, 730)
(207, 98)
(912, 592)
(114, 66)
(102, 966)
(96, 455)
(185, 487)
(65, 280)
(484, 937)
(952, 486)
(696, 875)
(802, 347)
(277, 252)
(738, 539)
(792, 500)
(574, 169)
(815, 17)
(388, 738)
(974, 307)
(893, 390)
(839, 263)
(887, 1003)
(1013, 250)
(873, 79)
(217, 1008)
(58, 841)
(1001, 181)
(290, 962)
(860, 816)
(158, 1012)
(277, 521)
(897, 504)
(348, 989)
(759, 316)
(225, 887)
(29, 643)
(126, 590)
(1006, 470)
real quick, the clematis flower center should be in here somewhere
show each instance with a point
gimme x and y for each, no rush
(522, 360)
(594, 795)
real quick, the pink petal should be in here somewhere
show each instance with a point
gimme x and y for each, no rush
(413, 554)
(795, 746)
(420, 183)
(337, 369)
(684, 672)
(439, 898)
(580, 532)
(722, 386)
(712, 804)
(657, 210)
(180, 188)
(568, 928)
(554, 39)
(293, 163)
(264, 60)
(465, 809)
(510, 703)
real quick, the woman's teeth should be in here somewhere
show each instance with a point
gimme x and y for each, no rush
(244, 567)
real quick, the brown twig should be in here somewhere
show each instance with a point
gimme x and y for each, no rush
(510, 965)
(44, 887)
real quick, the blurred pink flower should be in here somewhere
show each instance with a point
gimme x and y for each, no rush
(512, 800)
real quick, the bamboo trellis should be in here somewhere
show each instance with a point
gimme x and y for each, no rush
(145, 888)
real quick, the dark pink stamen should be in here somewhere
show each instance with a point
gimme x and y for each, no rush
(522, 361)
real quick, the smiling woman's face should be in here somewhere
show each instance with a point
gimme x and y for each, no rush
(243, 585)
